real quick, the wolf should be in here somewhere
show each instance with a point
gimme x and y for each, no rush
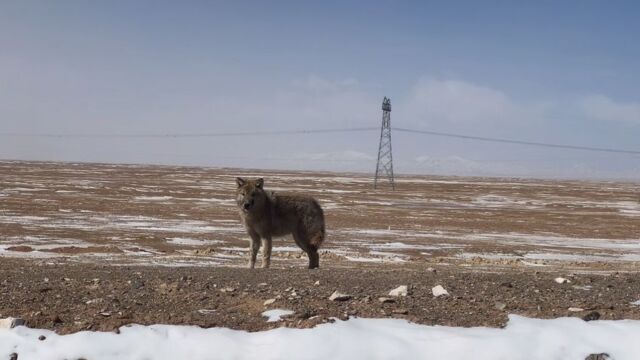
(266, 214)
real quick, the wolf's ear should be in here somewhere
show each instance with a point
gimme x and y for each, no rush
(259, 183)
(240, 181)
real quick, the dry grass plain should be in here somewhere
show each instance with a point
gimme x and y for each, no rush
(96, 246)
(182, 216)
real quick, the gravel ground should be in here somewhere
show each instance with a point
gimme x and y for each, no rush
(98, 246)
(73, 297)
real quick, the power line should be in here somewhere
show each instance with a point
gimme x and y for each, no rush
(325, 131)
(519, 142)
(194, 135)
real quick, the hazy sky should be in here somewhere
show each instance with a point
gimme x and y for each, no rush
(548, 71)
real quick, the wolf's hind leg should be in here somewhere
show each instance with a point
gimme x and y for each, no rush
(267, 243)
(314, 258)
(300, 238)
(314, 244)
(307, 246)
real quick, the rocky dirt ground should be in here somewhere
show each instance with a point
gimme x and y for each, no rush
(91, 246)
(74, 297)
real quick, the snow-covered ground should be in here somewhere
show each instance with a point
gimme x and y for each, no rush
(523, 338)
(120, 214)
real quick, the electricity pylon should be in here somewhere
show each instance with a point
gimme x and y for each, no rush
(384, 167)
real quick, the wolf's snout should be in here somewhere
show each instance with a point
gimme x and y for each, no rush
(247, 206)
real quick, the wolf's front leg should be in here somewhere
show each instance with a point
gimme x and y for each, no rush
(254, 248)
(266, 252)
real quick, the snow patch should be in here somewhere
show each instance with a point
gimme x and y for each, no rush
(523, 338)
(191, 242)
(276, 314)
(153, 198)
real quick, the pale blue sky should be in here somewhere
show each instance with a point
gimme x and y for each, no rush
(552, 71)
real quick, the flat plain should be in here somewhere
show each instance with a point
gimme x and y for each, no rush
(95, 246)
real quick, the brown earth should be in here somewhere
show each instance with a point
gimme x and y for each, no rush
(92, 246)
(74, 297)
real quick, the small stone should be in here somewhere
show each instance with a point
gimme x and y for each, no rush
(401, 311)
(438, 290)
(227, 290)
(316, 283)
(386, 300)
(594, 315)
(105, 313)
(166, 288)
(575, 309)
(305, 314)
(500, 306)
(401, 290)
(262, 284)
(42, 338)
(206, 311)
(269, 302)
(561, 280)
(206, 251)
(337, 296)
(430, 269)
(11, 322)
(601, 356)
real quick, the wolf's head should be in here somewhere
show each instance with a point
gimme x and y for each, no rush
(250, 194)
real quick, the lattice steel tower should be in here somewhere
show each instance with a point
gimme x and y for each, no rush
(384, 167)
